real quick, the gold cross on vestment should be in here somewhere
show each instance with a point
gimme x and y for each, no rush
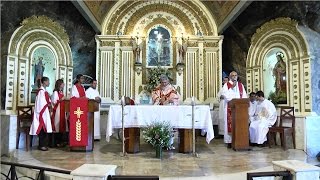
(78, 112)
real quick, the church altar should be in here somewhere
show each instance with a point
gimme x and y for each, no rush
(143, 115)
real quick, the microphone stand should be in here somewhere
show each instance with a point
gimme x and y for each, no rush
(122, 120)
(193, 130)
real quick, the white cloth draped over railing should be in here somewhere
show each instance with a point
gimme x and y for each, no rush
(143, 115)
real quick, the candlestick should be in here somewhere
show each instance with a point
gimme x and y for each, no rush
(123, 101)
(192, 100)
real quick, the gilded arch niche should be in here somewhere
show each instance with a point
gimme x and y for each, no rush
(281, 34)
(37, 36)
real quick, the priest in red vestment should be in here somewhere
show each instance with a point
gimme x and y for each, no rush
(232, 89)
(77, 89)
(165, 93)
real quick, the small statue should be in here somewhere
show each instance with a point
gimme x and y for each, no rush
(38, 73)
(182, 52)
(136, 50)
(279, 72)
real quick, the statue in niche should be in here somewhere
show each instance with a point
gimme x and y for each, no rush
(182, 52)
(38, 72)
(279, 72)
(136, 50)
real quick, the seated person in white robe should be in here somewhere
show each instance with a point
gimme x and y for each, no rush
(93, 93)
(264, 117)
(252, 106)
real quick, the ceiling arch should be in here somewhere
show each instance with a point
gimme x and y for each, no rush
(222, 13)
(125, 15)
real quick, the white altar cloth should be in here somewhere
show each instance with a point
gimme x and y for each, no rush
(143, 115)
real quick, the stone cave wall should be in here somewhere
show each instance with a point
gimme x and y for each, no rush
(81, 34)
(237, 37)
(313, 39)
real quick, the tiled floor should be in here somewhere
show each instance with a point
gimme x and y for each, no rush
(215, 160)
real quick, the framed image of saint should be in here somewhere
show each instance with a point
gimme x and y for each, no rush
(159, 47)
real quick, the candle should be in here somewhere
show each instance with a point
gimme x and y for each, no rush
(192, 100)
(123, 101)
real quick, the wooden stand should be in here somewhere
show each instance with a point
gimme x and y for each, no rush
(93, 106)
(132, 142)
(185, 136)
(240, 126)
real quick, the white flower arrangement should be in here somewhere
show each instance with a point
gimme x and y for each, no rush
(158, 134)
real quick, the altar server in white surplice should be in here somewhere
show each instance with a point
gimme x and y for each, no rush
(264, 117)
(58, 118)
(41, 124)
(220, 98)
(252, 106)
(92, 93)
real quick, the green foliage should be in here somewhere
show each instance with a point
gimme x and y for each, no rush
(158, 134)
(153, 76)
(278, 97)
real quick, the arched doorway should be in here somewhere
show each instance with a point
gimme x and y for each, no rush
(280, 35)
(39, 44)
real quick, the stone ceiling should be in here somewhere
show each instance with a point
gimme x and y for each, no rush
(223, 12)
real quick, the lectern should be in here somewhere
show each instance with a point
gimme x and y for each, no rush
(93, 106)
(240, 126)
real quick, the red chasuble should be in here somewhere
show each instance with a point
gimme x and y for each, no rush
(229, 114)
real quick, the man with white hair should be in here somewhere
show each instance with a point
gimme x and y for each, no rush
(165, 93)
(231, 90)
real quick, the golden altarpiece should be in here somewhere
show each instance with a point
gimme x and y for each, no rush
(179, 36)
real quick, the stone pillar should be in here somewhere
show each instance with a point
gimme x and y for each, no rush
(93, 172)
(312, 130)
(299, 169)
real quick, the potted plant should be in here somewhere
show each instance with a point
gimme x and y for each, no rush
(158, 134)
(278, 97)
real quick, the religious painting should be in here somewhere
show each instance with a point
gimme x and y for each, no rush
(159, 47)
(42, 64)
